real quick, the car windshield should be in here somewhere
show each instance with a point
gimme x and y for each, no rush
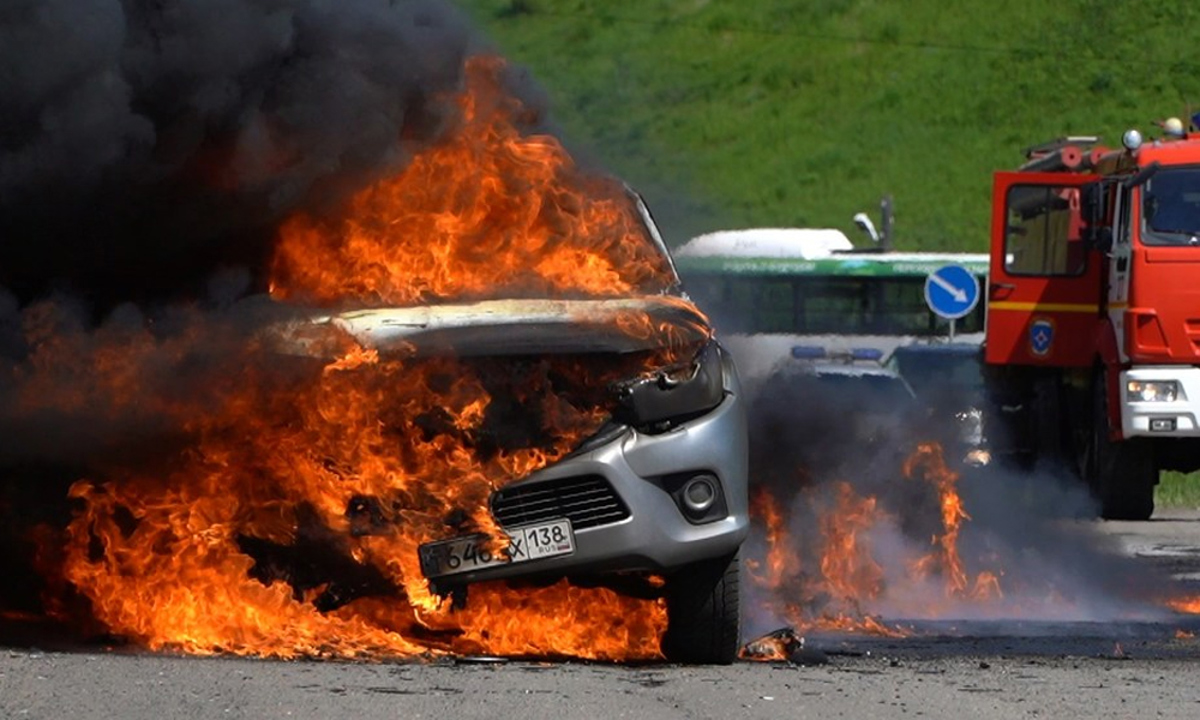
(1171, 207)
(937, 372)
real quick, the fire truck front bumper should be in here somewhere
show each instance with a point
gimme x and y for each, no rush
(1161, 401)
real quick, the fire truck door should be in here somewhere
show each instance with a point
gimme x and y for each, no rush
(1043, 281)
(1119, 260)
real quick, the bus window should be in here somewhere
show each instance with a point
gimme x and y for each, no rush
(822, 304)
(830, 305)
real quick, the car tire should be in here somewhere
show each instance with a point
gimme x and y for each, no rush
(703, 621)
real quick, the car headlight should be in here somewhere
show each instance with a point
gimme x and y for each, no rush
(655, 399)
(1152, 390)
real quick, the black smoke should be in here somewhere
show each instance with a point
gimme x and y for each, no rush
(146, 144)
(149, 150)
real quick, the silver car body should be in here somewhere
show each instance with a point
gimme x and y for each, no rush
(621, 488)
(653, 534)
(629, 517)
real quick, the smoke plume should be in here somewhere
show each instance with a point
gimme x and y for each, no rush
(145, 145)
(149, 150)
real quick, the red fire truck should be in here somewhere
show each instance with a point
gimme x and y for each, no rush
(1093, 318)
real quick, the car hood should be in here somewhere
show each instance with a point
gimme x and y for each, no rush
(517, 327)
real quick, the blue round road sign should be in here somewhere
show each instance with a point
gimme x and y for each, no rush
(951, 291)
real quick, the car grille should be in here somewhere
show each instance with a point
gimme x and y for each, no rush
(587, 501)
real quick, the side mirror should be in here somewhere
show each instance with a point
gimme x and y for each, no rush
(1098, 238)
(1091, 201)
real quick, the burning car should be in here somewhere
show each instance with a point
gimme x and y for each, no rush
(491, 422)
(659, 488)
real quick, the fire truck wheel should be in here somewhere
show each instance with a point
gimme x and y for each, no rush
(702, 613)
(1122, 474)
(1127, 486)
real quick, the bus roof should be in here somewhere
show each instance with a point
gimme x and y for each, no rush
(807, 251)
(799, 243)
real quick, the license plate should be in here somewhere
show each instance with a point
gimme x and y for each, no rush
(468, 553)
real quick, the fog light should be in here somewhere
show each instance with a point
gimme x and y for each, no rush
(1152, 390)
(699, 493)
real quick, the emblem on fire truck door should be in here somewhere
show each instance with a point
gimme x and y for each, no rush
(1041, 336)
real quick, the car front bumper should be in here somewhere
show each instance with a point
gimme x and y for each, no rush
(654, 535)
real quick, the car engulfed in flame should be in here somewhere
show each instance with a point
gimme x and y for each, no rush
(658, 490)
(489, 380)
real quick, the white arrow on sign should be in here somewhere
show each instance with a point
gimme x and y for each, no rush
(957, 293)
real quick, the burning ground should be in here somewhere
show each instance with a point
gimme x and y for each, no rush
(882, 535)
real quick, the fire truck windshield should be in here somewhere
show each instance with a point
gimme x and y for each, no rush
(1171, 207)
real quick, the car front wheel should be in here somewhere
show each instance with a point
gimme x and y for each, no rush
(702, 613)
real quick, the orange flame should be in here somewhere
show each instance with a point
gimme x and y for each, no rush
(353, 463)
(827, 584)
(164, 561)
(1190, 605)
(848, 573)
(846, 563)
(489, 213)
(929, 462)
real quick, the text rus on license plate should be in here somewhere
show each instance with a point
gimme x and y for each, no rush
(467, 553)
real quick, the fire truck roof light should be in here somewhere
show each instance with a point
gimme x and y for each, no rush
(1132, 139)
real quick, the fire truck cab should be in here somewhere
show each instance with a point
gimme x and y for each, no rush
(1092, 342)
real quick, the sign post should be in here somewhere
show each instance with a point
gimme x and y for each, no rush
(951, 292)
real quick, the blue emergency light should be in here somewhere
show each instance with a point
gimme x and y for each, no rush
(816, 352)
(808, 352)
(866, 354)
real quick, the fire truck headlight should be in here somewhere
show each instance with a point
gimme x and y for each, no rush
(1152, 390)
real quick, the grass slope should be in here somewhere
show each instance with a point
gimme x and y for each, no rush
(776, 112)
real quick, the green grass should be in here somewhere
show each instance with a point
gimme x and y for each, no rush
(1178, 490)
(800, 112)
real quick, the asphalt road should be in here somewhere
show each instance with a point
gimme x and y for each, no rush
(975, 669)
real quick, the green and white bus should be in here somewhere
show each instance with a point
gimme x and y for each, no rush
(769, 290)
